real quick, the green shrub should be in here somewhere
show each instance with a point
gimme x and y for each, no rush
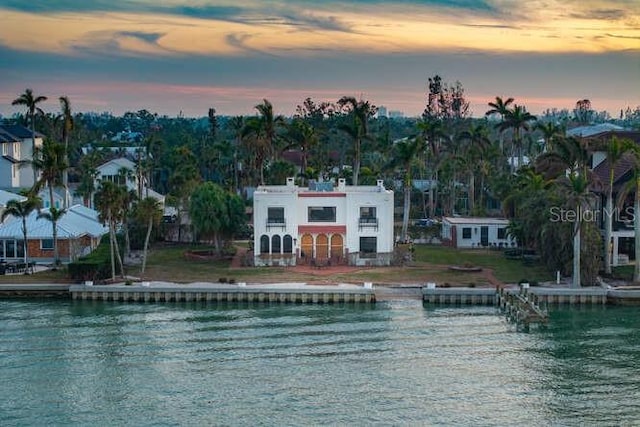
(95, 266)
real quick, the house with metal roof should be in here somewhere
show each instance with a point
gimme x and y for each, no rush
(79, 232)
(16, 146)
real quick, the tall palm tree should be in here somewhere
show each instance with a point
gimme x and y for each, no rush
(405, 156)
(616, 149)
(518, 120)
(148, 210)
(50, 161)
(361, 111)
(54, 215)
(500, 107)
(550, 132)
(269, 124)
(29, 100)
(432, 132)
(303, 137)
(67, 127)
(576, 187)
(22, 209)
(108, 202)
(237, 124)
(474, 154)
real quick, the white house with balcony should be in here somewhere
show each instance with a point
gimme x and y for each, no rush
(17, 146)
(323, 224)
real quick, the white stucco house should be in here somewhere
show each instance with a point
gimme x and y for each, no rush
(323, 224)
(466, 232)
(16, 145)
(110, 171)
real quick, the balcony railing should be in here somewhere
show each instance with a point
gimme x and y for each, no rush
(367, 222)
(276, 223)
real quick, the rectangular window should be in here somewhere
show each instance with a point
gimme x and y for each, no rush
(368, 245)
(322, 214)
(46, 244)
(502, 233)
(5, 149)
(275, 215)
(16, 150)
(466, 233)
(368, 212)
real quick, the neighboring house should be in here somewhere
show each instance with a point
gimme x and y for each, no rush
(79, 233)
(621, 247)
(5, 196)
(461, 232)
(16, 146)
(110, 171)
(323, 224)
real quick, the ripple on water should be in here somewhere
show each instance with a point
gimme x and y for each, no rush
(399, 362)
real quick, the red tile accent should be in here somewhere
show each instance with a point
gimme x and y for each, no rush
(323, 194)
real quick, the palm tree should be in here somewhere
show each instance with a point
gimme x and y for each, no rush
(361, 112)
(616, 149)
(50, 161)
(432, 132)
(405, 157)
(518, 119)
(576, 187)
(88, 175)
(108, 202)
(269, 123)
(500, 107)
(67, 127)
(148, 210)
(303, 137)
(54, 215)
(550, 132)
(30, 101)
(22, 209)
(237, 124)
(475, 153)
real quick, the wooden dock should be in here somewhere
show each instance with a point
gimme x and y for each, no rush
(521, 307)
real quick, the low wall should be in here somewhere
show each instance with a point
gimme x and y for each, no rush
(224, 293)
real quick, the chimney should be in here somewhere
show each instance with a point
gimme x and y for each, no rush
(341, 184)
(290, 181)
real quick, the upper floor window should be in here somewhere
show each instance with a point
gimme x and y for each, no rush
(5, 149)
(368, 212)
(322, 214)
(275, 215)
(16, 150)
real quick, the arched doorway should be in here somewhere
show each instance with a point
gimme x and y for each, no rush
(275, 244)
(306, 246)
(322, 246)
(337, 250)
(264, 244)
(287, 244)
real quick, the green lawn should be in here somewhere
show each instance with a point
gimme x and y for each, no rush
(169, 263)
(504, 269)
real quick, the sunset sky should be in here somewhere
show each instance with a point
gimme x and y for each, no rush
(170, 56)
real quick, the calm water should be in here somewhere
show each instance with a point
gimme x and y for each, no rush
(84, 363)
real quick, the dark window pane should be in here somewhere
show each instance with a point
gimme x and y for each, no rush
(322, 214)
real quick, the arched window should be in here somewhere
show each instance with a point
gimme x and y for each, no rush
(287, 244)
(275, 244)
(264, 244)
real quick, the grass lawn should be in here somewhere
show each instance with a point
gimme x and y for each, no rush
(169, 263)
(505, 270)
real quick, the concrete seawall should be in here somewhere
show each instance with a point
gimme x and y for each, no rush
(281, 293)
(550, 296)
